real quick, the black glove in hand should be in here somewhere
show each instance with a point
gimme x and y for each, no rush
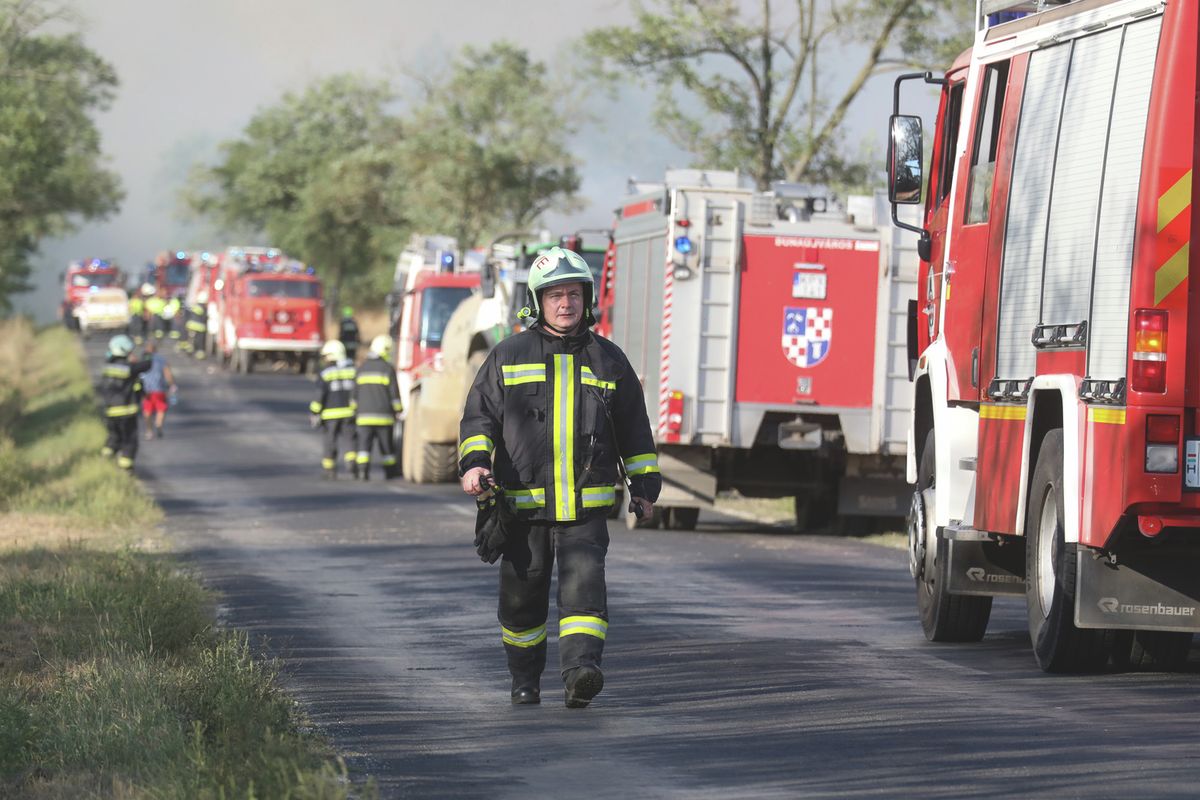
(490, 531)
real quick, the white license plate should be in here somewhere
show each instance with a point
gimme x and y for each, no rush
(810, 285)
(282, 329)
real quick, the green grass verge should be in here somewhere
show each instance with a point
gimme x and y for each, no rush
(114, 681)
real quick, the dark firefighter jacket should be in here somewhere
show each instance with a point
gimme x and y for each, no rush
(120, 384)
(197, 318)
(376, 393)
(348, 332)
(335, 392)
(550, 416)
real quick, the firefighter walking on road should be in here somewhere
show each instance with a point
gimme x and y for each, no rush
(120, 385)
(553, 413)
(348, 333)
(377, 402)
(197, 326)
(333, 409)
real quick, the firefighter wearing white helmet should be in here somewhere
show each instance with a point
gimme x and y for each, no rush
(377, 403)
(120, 386)
(333, 409)
(554, 419)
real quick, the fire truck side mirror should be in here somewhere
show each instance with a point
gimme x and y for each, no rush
(904, 166)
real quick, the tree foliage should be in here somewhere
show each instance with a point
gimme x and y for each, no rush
(52, 170)
(313, 173)
(768, 92)
(487, 149)
(339, 175)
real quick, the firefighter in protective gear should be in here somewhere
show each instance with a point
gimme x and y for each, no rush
(155, 304)
(553, 413)
(333, 408)
(119, 389)
(170, 315)
(377, 402)
(348, 332)
(197, 326)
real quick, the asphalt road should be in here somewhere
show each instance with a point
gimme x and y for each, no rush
(741, 661)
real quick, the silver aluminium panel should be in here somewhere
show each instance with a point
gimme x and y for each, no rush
(1075, 199)
(1107, 345)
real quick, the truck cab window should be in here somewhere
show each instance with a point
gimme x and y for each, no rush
(949, 143)
(987, 136)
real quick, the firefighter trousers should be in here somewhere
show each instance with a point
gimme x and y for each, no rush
(580, 548)
(339, 430)
(122, 440)
(368, 436)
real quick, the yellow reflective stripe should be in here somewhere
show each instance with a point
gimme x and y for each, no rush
(337, 413)
(564, 437)
(376, 419)
(378, 380)
(473, 443)
(529, 638)
(1108, 416)
(517, 374)
(589, 379)
(363, 457)
(1174, 201)
(641, 464)
(592, 626)
(338, 374)
(116, 371)
(528, 498)
(350, 456)
(596, 497)
(397, 406)
(121, 411)
(1002, 412)
(388, 461)
(314, 407)
(196, 326)
(124, 462)
(1172, 273)
(328, 463)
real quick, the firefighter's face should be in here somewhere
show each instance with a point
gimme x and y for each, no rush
(564, 305)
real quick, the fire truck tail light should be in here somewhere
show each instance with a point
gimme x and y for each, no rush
(1149, 351)
(1162, 429)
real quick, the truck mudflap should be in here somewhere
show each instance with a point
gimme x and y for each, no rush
(986, 568)
(1155, 590)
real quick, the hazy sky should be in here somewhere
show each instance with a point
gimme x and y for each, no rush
(193, 73)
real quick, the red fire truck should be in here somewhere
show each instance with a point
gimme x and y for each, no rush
(267, 306)
(767, 329)
(1055, 439)
(171, 271)
(82, 277)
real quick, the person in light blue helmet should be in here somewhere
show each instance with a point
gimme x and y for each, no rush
(120, 384)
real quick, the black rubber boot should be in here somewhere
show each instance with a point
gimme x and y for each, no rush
(366, 472)
(583, 683)
(354, 470)
(526, 696)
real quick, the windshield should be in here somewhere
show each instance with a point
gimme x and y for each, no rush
(304, 290)
(93, 279)
(177, 274)
(437, 304)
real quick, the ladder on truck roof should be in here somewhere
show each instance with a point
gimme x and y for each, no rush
(718, 320)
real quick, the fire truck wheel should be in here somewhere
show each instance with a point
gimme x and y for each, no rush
(1058, 645)
(1165, 651)
(945, 617)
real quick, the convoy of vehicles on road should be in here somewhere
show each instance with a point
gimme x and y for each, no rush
(1055, 433)
(81, 279)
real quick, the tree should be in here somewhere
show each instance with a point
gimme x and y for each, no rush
(315, 173)
(52, 173)
(487, 149)
(750, 92)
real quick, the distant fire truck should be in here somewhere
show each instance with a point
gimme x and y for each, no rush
(767, 330)
(266, 306)
(171, 272)
(81, 278)
(1055, 439)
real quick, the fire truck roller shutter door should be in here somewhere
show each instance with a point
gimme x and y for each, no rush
(1029, 198)
(1075, 198)
(1108, 329)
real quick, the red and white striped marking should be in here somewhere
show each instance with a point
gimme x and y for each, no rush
(664, 364)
